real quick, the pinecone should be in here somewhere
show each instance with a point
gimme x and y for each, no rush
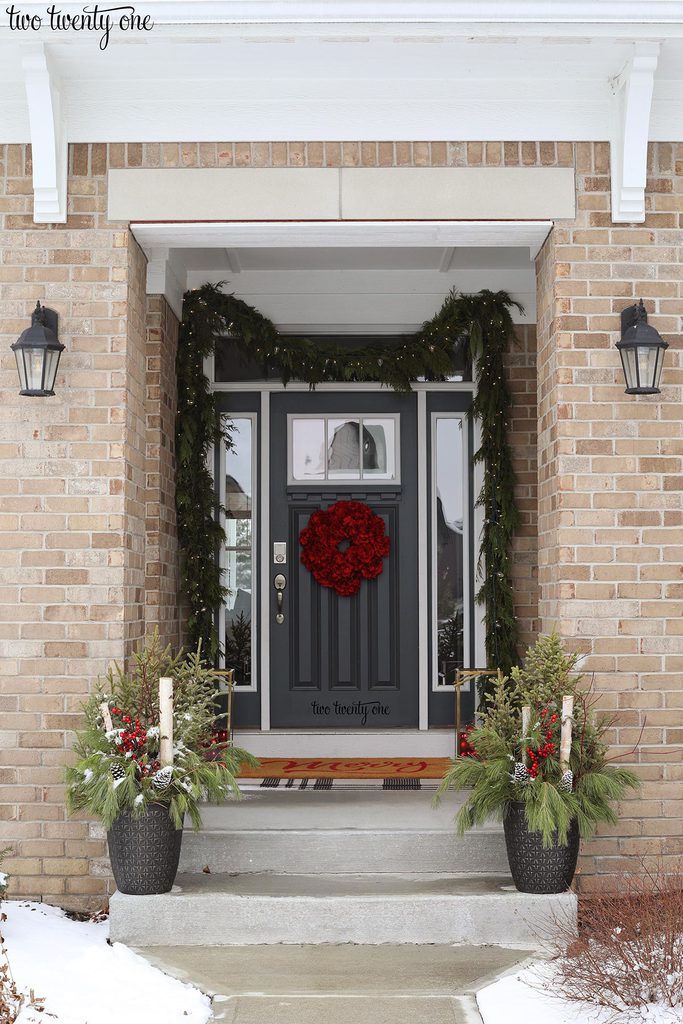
(118, 771)
(566, 783)
(520, 774)
(162, 778)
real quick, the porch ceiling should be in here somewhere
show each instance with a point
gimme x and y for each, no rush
(360, 289)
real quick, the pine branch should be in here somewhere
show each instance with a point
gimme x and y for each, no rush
(482, 321)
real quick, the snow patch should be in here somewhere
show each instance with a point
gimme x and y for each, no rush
(523, 997)
(83, 980)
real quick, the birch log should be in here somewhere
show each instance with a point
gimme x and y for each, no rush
(526, 721)
(566, 734)
(106, 717)
(165, 721)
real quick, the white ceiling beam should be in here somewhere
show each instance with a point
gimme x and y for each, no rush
(48, 139)
(632, 106)
(446, 259)
(233, 260)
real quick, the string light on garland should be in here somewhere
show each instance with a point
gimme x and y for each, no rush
(482, 322)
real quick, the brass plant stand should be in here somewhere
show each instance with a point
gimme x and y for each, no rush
(462, 676)
(229, 674)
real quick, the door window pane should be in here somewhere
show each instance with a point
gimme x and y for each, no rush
(239, 550)
(343, 448)
(447, 496)
(379, 448)
(308, 449)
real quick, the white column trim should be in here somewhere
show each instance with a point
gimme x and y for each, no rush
(167, 276)
(633, 90)
(48, 138)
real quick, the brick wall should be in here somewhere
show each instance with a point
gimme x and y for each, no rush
(521, 371)
(611, 487)
(88, 548)
(162, 570)
(73, 505)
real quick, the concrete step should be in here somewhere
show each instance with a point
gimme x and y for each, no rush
(344, 851)
(357, 808)
(254, 909)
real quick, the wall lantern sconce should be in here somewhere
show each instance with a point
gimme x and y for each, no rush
(37, 352)
(642, 351)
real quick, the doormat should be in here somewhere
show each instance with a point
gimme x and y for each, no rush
(390, 769)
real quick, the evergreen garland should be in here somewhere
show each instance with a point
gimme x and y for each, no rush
(483, 321)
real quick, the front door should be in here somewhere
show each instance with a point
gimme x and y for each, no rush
(344, 662)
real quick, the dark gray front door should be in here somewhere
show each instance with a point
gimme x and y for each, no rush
(344, 662)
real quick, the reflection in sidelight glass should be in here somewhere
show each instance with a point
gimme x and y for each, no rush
(239, 550)
(448, 544)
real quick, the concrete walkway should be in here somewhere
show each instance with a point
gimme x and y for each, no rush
(345, 984)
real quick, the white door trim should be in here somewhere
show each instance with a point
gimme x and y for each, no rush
(422, 562)
(264, 575)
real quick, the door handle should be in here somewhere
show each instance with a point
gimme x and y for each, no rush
(279, 583)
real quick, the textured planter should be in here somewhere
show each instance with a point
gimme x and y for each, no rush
(145, 851)
(533, 867)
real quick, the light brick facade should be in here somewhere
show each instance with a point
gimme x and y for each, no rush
(611, 486)
(88, 550)
(87, 508)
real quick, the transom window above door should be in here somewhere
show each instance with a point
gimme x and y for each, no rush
(343, 448)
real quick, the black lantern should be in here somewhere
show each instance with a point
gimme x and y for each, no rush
(642, 351)
(37, 353)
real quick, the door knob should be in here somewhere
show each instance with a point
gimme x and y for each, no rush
(279, 583)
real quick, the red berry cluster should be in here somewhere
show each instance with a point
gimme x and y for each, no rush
(132, 740)
(465, 748)
(217, 744)
(537, 757)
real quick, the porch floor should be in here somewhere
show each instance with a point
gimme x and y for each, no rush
(344, 984)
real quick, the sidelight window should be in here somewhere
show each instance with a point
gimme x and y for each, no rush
(238, 557)
(450, 548)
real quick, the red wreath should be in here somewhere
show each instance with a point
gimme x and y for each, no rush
(368, 544)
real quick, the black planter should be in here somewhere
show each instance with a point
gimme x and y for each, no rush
(145, 851)
(533, 867)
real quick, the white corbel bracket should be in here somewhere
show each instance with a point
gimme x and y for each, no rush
(167, 276)
(633, 90)
(48, 139)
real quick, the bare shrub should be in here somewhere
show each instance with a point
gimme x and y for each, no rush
(11, 999)
(628, 954)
